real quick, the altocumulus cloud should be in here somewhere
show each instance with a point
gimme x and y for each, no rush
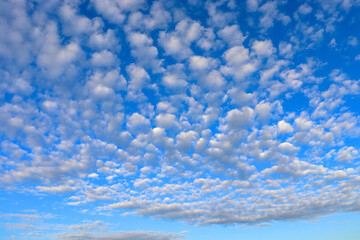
(184, 111)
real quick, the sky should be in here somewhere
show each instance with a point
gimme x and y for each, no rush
(193, 120)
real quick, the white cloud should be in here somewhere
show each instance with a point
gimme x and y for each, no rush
(185, 140)
(74, 24)
(138, 123)
(158, 18)
(57, 189)
(200, 63)
(263, 110)
(104, 41)
(144, 51)
(103, 59)
(346, 154)
(304, 9)
(232, 35)
(352, 41)
(288, 148)
(173, 81)
(115, 11)
(93, 175)
(303, 123)
(252, 5)
(269, 9)
(270, 14)
(139, 78)
(178, 139)
(177, 43)
(53, 57)
(218, 18)
(166, 120)
(284, 127)
(237, 55)
(286, 49)
(104, 84)
(213, 81)
(263, 48)
(239, 119)
(239, 63)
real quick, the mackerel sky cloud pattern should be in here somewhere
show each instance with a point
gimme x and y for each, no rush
(198, 112)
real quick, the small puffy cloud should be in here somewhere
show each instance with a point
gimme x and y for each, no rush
(166, 120)
(269, 10)
(352, 41)
(288, 148)
(104, 84)
(104, 58)
(263, 110)
(138, 77)
(74, 23)
(238, 119)
(50, 106)
(102, 41)
(93, 175)
(55, 58)
(219, 18)
(232, 35)
(166, 107)
(174, 46)
(239, 63)
(263, 48)
(200, 63)
(138, 123)
(304, 9)
(303, 123)
(174, 81)
(268, 74)
(175, 77)
(284, 127)
(139, 39)
(185, 140)
(177, 43)
(270, 14)
(286, 49)
(144, 51)
(213, 81)
(115, 11)
(158, 18)
(252, 5)
(241, 98)
(236, 55)
(347, 154)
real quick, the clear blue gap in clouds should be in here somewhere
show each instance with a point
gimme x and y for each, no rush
(166, 120)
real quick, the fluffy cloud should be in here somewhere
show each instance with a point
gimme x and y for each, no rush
(115, 11)
(238, 119)
(176, 111)
(55, 58)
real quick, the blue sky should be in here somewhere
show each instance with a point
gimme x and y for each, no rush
(162, 120)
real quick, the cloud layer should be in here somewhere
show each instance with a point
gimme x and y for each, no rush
(211, 112)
